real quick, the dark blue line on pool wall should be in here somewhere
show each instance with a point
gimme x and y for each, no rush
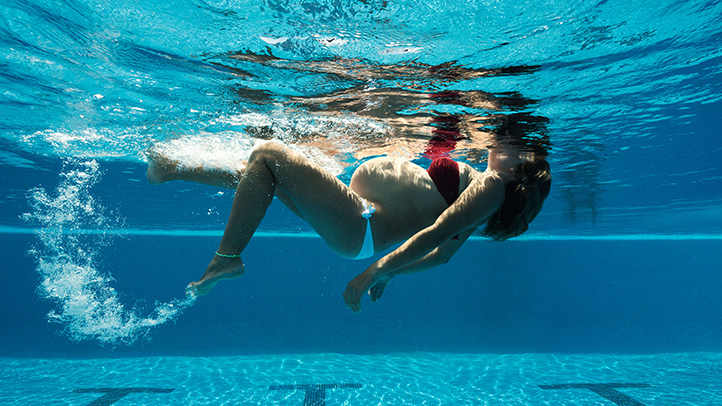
(112, 395)
(316, 394)
(605, 390)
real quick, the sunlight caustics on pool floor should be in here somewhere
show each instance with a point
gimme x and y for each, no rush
(394, 379)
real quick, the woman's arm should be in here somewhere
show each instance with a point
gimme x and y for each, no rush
(438, 256)
(478, 202)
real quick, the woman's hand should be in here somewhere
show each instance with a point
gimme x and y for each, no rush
(361, 284)
(378, 289)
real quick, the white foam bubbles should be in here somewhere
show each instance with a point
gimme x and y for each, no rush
(87, 304)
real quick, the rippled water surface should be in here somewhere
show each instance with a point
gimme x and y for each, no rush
(623, 94)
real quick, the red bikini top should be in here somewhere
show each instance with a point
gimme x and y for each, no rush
(445, 174)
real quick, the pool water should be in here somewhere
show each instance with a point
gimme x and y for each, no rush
(389, 379)
(611, 297)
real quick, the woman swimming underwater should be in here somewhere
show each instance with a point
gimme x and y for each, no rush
(433, 212)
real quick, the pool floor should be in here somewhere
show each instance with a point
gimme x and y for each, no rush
(391, 379)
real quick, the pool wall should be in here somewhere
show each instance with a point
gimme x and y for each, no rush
(627, 296)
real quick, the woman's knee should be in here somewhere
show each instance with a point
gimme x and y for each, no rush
(268, 152)
(278, 159)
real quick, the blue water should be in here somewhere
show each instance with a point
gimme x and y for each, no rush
(397, 379)
(615, 283)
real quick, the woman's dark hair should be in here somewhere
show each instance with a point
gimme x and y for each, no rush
(522, 202)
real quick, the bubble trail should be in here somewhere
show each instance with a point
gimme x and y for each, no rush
(72, 228)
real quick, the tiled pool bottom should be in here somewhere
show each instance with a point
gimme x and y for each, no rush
(395, 379)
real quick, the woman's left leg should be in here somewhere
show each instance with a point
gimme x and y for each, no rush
(162, 169)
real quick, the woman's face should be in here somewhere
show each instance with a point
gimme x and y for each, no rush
(502, 159)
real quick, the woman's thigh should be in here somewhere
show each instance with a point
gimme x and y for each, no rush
(319, 197)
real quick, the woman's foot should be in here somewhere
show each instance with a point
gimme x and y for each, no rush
(220, 268)
(160, 168)
(163, 169)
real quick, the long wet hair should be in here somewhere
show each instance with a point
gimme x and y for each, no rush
(522, 202)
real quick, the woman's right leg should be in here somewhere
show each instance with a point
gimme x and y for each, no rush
(329, 206)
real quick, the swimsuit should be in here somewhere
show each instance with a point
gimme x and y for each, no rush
(367, 249)
(445, 174)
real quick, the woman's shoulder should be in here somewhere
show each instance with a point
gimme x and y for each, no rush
(468, 175)
(487, 183)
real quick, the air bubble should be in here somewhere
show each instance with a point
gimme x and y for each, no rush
(87, 305)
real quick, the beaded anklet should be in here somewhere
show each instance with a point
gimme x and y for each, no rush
(228, 255)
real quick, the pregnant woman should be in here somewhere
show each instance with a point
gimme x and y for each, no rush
(389, 201)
